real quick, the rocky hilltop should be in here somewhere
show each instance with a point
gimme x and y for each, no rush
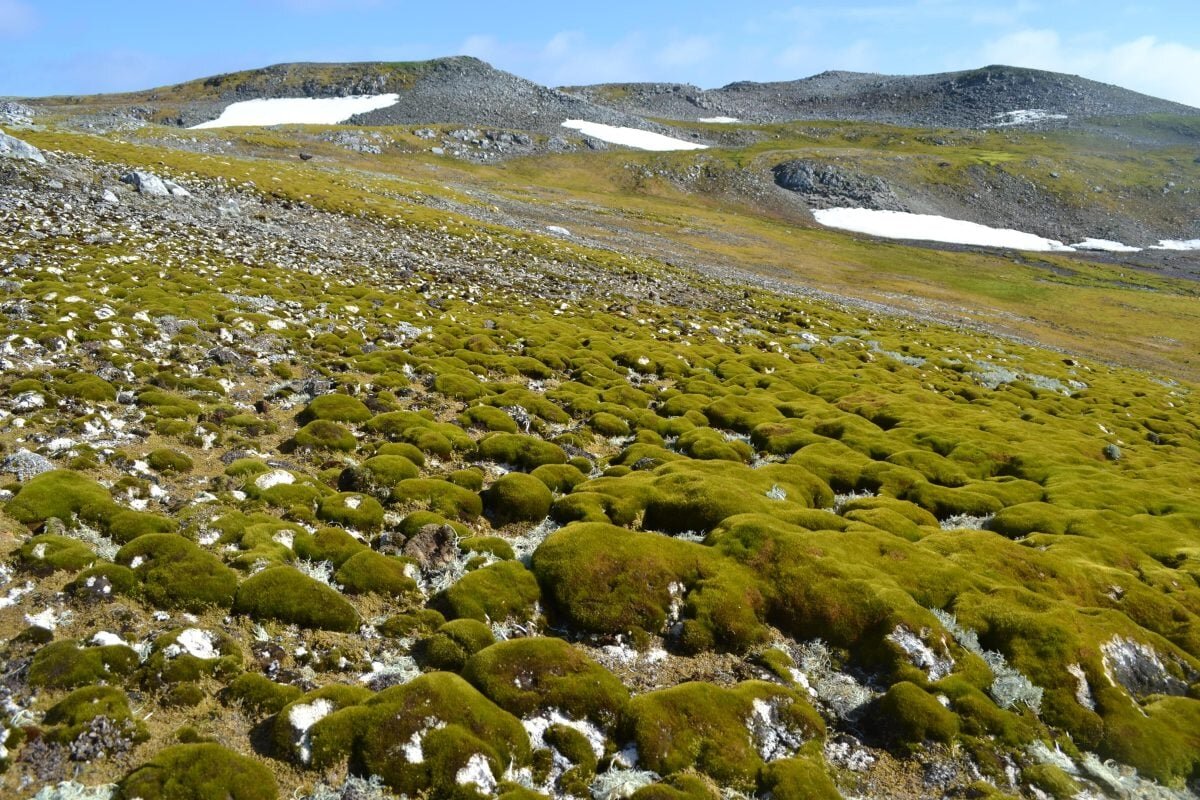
(973, 99)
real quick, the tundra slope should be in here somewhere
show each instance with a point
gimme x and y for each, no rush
(971, 99)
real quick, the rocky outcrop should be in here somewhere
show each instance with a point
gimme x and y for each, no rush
(12, 147)
(830, 186)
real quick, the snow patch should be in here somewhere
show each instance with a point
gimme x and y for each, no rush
(478, 773)
(195, 642)
(1106, 245)
(298, 110)
(1177, 244)
(619, 783)
(932, 228)
(302, 717)
(275, 477)
(631, 137)
(1025, 116)
(720, 120)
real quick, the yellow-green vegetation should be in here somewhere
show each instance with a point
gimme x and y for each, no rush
(199, 772)
(747, 492)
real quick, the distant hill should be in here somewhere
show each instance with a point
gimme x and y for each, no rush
(972, 99)
(458, 90)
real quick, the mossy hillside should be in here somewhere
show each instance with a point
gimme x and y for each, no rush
(1110, 551)
(704, 727)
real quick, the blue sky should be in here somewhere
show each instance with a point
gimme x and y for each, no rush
(81, 46)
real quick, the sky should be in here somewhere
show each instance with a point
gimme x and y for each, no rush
(85, 46)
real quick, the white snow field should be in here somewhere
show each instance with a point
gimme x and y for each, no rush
(631, 137)
(298, 110)
(720, 120)
(1106, 245)
(1024, 116)
(1177, 244)
(930, 228)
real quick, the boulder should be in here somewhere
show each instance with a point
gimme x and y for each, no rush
(149, 184)
(12, 147)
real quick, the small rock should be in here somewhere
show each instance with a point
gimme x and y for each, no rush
(26, 465)
(110, 197)
(146, 183)
(433, 547)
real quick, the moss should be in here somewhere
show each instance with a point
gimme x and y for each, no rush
(332, 741)
(71, 715)
(171, 663)
(325, 435)
(83, 386)
(413, 623)
(327, 544)
(258, 694)
(452, 643)
(103, 581)
(527, 676)
(1051, 780)
(441, 497)
(488, 418)
(287, 595)
(798, 779)
(59, 493)
(369, 572)
(123, 526)
(66, 665)
(909, 716)
(199, 772)
(50, 552)
(497, 593)
(559, 478)
(167, 460)
(404, 449)
(517, 497)
(494, 545)
(609, 580)
(335, 408)
(607, 424)
(166, 404)
(703, 727)
(246, 468)
(526, 453)
(573, 746)
(352, 510)
(183, 695)
(173, 572)
(471, 478)
(473, 726)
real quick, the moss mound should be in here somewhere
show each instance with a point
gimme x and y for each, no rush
(174, 572)
(369, 572)
(66, 665)
(336, 408)
(288, 595)
(525, 676)
(704, 727)
(199, 772)
(517, 497)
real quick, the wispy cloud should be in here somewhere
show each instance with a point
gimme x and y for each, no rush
(17, 18)
(1146, 64)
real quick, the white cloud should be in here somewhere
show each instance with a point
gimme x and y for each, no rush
(1145, 64)
(686, 52)
(17, 18)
